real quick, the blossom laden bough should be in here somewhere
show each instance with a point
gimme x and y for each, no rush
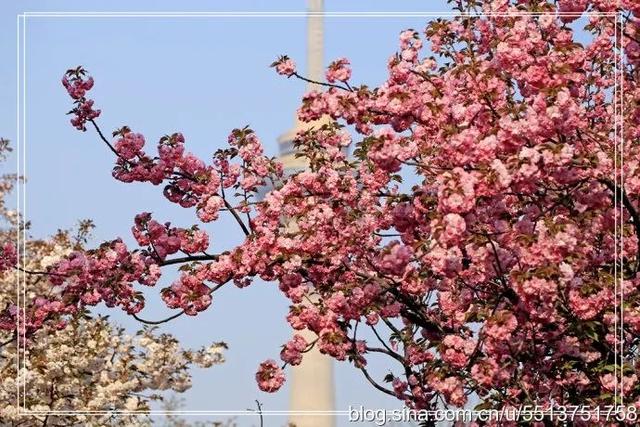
(77, 85)
(493, 274)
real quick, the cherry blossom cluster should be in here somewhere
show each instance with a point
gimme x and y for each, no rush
(292, 351)
(162, 239)
(270, 376)
(256, 167)
(77, 85)
(188, 180)
(8, 257)
(189, 293)
(105, 274)
(511, 181)
(284, 66)
(339, 70)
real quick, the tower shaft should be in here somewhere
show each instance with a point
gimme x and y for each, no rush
(312, 387)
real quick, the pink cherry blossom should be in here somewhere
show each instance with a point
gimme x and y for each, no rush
(339, 70)
(8, 257)
(292, 351)
(270, 376)
(285, 66)
(77, 85)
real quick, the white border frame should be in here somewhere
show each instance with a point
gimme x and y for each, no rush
(21, 133)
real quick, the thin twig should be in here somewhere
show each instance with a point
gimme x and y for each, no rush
(106, 141)
(348, 89)
(260, 412)
(375, 384)
(10, 340)
(245, 230)
(158, 322)
(231, 209)
(190, 258)
(46, 273)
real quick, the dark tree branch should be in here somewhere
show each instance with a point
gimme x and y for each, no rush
(375, 384)
(632, 211)
(10, 340)
(260, 413)
(348, 89)
(387, 352)
(157, 322)
(231, 209)
(384, 344)
(190, 258)
(508, 292)
(245, 230)
(105, 140)
(412, 310)
(44, 273)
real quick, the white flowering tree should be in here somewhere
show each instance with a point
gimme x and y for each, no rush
(82, 362)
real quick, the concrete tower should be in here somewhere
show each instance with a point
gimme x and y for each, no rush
(315, 72)
(312, 386)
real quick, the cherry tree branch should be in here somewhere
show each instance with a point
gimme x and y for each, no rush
(190, 258)
(412, 311)
(508, 292)
(632, 211)
(384, 344)
(226, 203)
(348, 88)
(375, 384)
(241, 223)
(231, 208)
(105, 140)
(34, 272)
(259, 405)
(387, 352)
(175, 316)
(10, 340)
(157, 322)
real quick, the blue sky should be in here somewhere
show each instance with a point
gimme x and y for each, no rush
(202, 77)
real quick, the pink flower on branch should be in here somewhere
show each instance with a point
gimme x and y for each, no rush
(77, 85)
(270, 376)
(8, 257)
(339, 70)
(292, 351)
(285, 66)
